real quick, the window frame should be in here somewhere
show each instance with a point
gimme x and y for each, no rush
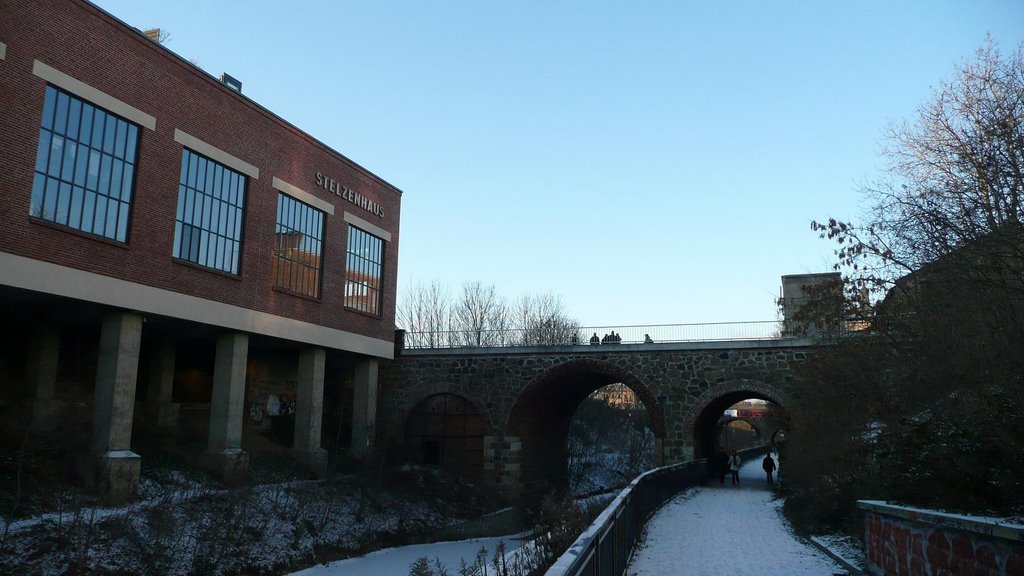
(213, 201)
(364, 266)
(319, 220)
(92, 174)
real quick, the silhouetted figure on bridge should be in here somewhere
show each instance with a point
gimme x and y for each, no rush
(721, 464)
(647, 339)
(769, 466)
(594, 340)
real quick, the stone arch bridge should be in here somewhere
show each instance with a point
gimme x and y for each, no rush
(501, 415)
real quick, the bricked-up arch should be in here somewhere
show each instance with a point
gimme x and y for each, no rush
(446, 430)
(540, 419)
(700, 427)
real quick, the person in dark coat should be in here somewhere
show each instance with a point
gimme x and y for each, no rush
(721, 464)
(769, 466)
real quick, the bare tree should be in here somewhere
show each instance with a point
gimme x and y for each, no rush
(541, 319)
(479, 316)
(424, 313)
(954, 179)
(922, 408)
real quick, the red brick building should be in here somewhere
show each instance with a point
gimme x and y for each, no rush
(169, 242)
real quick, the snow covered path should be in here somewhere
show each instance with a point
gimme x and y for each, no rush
(729, 531)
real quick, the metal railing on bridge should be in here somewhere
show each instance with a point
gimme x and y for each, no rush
(594, 335)
(606, 546)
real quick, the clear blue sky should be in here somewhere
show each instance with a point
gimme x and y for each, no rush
(650, 162)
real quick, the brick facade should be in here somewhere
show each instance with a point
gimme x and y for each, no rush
(94, 48)
(225, 355)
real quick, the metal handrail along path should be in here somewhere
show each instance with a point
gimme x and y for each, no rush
(606, 546)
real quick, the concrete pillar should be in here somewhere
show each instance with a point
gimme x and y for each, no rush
(44, 349)
(503, 465)
(364, 407)
(660, 458)
(117, 467)
(309, 408)
(161, 384)
(224, 455)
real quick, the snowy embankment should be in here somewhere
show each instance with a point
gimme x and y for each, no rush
(260, 529)
(396, 561)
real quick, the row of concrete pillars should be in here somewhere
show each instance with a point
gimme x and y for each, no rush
(111, 465)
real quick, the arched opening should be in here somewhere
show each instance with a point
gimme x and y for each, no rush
(738, 434)
(735, 415)
(610, 441)
(447, 431)
(543, 414)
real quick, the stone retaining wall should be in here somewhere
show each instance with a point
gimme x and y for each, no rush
(901, 540)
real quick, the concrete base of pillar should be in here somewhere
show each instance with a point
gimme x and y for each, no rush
(229, 466)
(117, 476)
(45, 415)
(315, 459)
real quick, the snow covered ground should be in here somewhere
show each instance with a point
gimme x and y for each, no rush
(729, 531)
(710, 531)
(396, 561)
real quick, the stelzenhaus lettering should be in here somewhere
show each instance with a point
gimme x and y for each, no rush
(336, 188)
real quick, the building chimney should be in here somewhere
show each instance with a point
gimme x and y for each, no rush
(231, 82)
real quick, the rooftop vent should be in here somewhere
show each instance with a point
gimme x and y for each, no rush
(231, 82)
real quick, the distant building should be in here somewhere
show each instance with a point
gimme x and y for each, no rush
(169, 242)
(617, 396)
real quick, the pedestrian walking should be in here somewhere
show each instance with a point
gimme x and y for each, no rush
(721, 464)
(769, 466)
(734, 467)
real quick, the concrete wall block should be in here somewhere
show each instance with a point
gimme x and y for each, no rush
(116, 476)
(230, 466)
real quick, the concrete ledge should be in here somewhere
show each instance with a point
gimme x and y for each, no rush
(848, 565)
(988, 526)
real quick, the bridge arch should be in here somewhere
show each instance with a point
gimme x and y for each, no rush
(447, 430)
(700, 426)
(539, 421)
(725, 422)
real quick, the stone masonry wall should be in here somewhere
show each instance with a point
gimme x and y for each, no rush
(675, 384)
